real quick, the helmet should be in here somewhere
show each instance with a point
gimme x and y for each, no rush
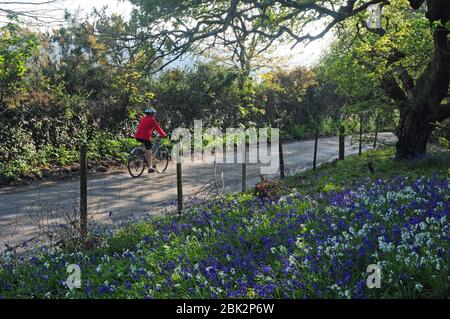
(150, 111)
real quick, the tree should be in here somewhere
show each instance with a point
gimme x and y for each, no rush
(179, 25)
(209, 91)
(283, 97)
(16, 47)
(245, 57)
(396, 61)
(324, 102)
(359, 87)
(94, 60)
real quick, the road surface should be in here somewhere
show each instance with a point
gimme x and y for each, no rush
(116, 196)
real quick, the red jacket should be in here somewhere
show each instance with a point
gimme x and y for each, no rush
(146, 127)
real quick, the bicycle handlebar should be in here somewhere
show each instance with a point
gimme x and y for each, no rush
(153, 135)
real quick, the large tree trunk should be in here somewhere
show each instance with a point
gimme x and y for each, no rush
(420, 101)
(413, 134)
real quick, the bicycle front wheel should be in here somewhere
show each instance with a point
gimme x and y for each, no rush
(161, 159)
(136, 163)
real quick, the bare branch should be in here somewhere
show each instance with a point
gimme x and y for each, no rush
(39, 12)
(226, 24)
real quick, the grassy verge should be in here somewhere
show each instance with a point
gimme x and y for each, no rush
(339, 175)
(104, 152)
(303, 244)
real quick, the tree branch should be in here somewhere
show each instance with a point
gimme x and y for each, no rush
(41, 12)
(392, 89)
(432, 86)
(270, 20)
(407, 81)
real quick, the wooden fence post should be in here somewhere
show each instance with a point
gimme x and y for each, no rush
(179, 186)
(341, 143)
(316, 142)
(376, 133)
(83, 190)
(360, 136)
(244, 170)
(280, 152)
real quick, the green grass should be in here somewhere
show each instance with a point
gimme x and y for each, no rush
(354, 169)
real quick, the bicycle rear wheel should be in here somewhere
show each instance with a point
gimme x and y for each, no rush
(136, 163)
(161, 159)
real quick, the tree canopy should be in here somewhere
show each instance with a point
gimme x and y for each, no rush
(176, 27)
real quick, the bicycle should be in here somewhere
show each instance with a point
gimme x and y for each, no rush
(137, 160)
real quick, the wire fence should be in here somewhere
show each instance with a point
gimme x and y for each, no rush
(34, 213)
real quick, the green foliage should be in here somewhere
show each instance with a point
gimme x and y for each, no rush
(16, 47)
(86, 85)
(337, 176)
(208, 92)
(359, 59)
(69, 90)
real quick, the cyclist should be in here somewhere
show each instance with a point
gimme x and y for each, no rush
(147, 126)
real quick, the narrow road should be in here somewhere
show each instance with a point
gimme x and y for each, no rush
(116, 196)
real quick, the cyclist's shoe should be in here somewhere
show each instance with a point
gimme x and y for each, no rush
(152, 169)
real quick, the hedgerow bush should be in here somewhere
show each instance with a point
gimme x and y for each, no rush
(46, 131)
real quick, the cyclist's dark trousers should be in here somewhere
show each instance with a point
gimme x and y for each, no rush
(148, 144)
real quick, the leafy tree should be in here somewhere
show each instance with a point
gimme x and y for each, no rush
(94, 60)
(248, 56)
(16, 48)
(282, 96)
(209, 91)
(179, 25)
(391, 65)
(325, 103)
(359, 89)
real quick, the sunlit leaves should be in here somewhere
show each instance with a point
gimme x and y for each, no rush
(359, 59)
(16, 47)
